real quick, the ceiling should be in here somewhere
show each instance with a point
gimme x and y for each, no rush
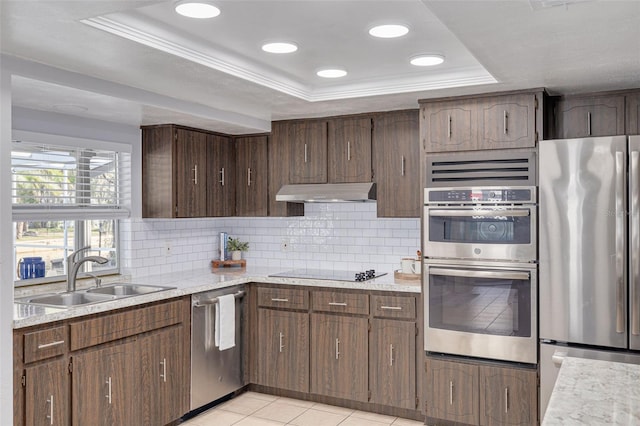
(137, 62)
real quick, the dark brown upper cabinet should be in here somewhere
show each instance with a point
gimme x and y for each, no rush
(591, 115)
(349, 150)
(174, 172)
(633, 113)
(396, 163)
(497, 121)
(308, 144)
(221, 197)
(251, 176)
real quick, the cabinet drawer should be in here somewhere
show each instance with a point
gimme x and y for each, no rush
(285, 298)
(345, 303)
(45, 344)
(124, 324)
(393, 306)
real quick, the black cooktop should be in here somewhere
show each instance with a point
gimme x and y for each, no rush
(332, 275)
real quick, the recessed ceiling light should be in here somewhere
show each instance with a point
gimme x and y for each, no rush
(280, 47)
(389, 30)
(427, 60)
(197, 9)
(332, 73)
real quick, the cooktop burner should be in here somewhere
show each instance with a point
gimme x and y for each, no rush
(324, 274)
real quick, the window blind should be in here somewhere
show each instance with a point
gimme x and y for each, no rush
(54, 182)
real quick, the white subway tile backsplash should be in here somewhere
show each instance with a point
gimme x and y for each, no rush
(343, 236)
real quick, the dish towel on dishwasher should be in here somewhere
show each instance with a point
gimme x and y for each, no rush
(225, 328)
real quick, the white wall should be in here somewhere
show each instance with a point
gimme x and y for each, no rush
(6, 254)
(342, 236)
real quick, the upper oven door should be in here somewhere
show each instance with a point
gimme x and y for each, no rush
(481, 233)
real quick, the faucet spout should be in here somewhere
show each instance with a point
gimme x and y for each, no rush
(73, 266)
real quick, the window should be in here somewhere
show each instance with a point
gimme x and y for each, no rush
(66, 197)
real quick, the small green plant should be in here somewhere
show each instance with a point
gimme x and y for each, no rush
(234, 244)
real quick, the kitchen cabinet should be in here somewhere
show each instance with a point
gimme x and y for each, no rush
(338, 356)
(221, 194)
(452, 391)
(632, 115)
(481, 393)
(308, 144)
(392, 363)
(47, 393)
(251, 176)
(105, 385)
(508, 396)
(280, 162)
(495, 121)
(349, 150)
(162, 378)
(174, 172)
(590, 115)
(396, 160)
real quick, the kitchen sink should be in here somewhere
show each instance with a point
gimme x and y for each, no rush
(126, 289)
(66, 300)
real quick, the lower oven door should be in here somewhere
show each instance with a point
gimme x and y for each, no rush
(485, 311)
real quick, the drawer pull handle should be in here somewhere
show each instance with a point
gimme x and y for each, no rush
(337, 348)
(48, 345)
(279, 300)
(506, 400)
(337, 304)
(450, 392)
(163, 375)
(391, 308)
(50, 416)
(108, 395)
(391, 355)
(281, 341)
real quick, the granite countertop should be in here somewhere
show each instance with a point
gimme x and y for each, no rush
(195, 281)
(591, 392)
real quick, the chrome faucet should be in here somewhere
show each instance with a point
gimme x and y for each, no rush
(73, 266)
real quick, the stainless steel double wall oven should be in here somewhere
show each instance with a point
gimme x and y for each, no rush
(480, 268)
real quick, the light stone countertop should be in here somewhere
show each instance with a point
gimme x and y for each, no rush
(195, 281)
(592, 392)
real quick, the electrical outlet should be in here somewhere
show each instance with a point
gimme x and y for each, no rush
(167, 248)
(284, 245)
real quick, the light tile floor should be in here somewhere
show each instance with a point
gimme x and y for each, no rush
(257, 409)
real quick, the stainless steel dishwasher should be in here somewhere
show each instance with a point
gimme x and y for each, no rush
(214, 373)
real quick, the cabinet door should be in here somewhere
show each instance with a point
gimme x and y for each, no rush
(396, 153)
(308, 141)
(221, 191)
(392, 363)
(47, 394)
(508, 396)
(452, 391)
(633, 114)
(349, 150)
(251, 176)
(449, 126)
(105, 386)
(590, 116)
(508, 122)
(191, 173)
(163, 381)
(283, 349)
(339, 356)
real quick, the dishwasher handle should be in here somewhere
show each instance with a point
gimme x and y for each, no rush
(207, 302)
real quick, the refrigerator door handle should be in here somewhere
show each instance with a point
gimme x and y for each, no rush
(558, 357)
(634, 225)
(620, 241)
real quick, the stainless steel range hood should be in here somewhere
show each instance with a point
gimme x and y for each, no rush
(327, 193)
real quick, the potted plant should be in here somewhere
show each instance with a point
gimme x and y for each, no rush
(236, 247)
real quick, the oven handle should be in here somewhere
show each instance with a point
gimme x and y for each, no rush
(481, 213)
(507, 275)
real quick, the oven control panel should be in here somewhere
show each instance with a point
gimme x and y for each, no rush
(480, 195)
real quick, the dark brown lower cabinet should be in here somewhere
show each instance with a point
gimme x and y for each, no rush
(162, 378)
(452, 391)
(339, 356)
(105, 386)
(508, 396)
(392, 363)
(283, 349)
(48, 393)
(481, 394)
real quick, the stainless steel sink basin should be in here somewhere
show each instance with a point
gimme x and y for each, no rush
(126, 289)
(66, 300)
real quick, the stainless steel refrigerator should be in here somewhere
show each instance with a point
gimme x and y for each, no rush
(589, 252)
